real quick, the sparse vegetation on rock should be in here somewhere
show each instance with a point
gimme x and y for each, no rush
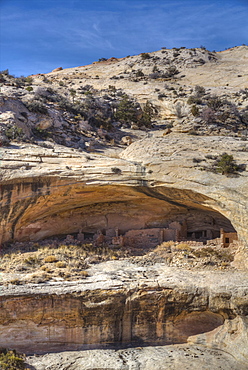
(226, 164)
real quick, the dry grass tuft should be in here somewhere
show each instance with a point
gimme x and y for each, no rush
(84, 273)
(183, 247)
(50, 259)
(189, 255)
(61, 264)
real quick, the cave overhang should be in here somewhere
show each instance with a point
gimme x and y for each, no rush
(40, 209)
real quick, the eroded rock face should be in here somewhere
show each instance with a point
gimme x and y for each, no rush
(155, 306)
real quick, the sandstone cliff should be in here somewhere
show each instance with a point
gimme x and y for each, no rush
(75, 166)
(123, 303)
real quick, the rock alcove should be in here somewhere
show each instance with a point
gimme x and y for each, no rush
(43, 209)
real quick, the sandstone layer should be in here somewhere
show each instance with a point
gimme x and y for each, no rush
(124, 304)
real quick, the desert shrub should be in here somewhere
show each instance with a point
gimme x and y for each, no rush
(36, 106)
(171, 71)
(40, 132)
(32, 261)
(39, 277)
(214, 102)
(165, 246)
(48, 94)
(139, 73)
(72, 93)
(50, 259)
(225, 164)
(208, 115)
(161, 96)
(84, 273)
(126, 110)
(61, 264)
(223, 116)
(14, 133)
(199, 90)
(5, 72)
(195, 110)
(244, 117)
(47, 80)
(29, 80)
(112, 88)
(29, 88)
(193, 99)
(197, 160)
(183, 247)
(223, 255)
(116, 170)
(145, 56)
(11, 360)
(20, 81)
(102, 59)
(148, 113)
(68, 106)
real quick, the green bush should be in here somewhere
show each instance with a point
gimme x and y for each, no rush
(36, 106)
(29, 80)
(11, 360)
(14, 133)
(225, 164)
(147, 115)
(145, 56)
(126, 111)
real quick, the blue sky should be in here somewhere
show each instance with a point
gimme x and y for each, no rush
(39, 35)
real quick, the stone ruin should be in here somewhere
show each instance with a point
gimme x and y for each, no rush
(151, 237)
